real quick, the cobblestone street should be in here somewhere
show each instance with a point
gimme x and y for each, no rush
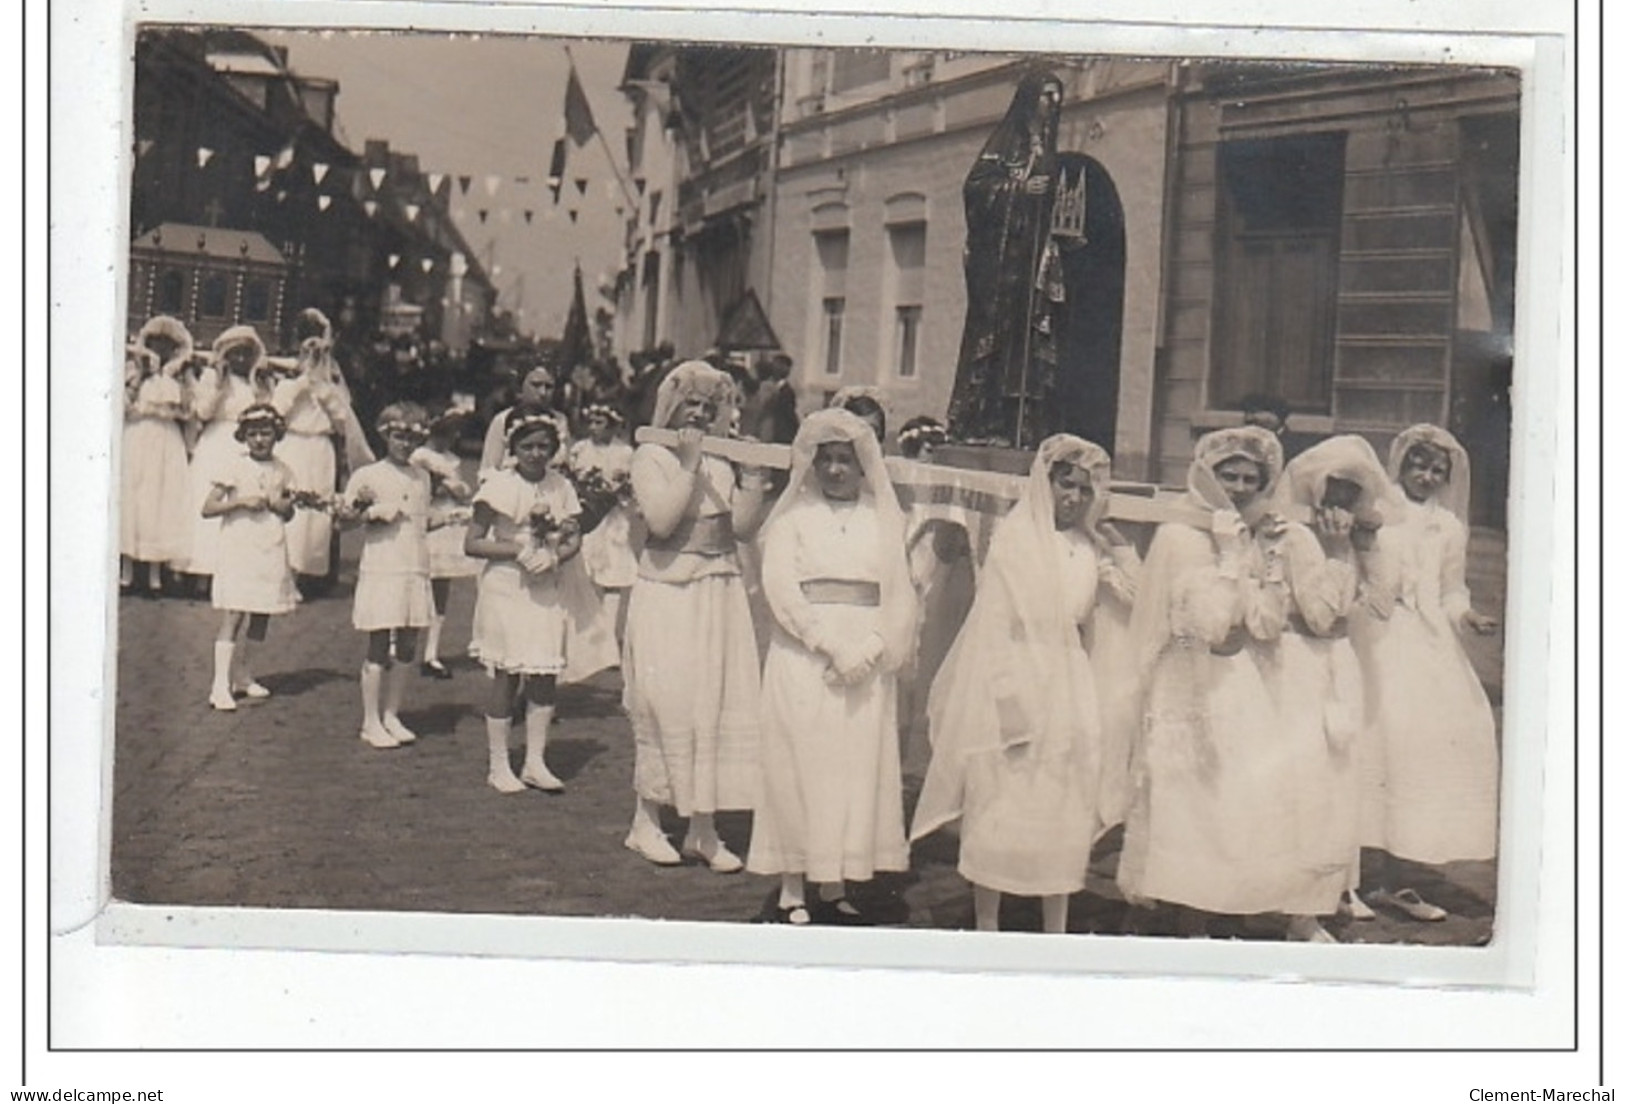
(280, 805)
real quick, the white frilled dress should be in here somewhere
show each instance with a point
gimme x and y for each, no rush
(519, 618)
(832, 803)
(1029, 810)
(217, 403)
(1433, 775)
(447, 560)
(1315, 679)
(155, 521)
(308, 451)
(693, 681)
(392, 587)
(251, 573)
(1212, 821)
(607, 551)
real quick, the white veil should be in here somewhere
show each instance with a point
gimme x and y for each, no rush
(1456, 494)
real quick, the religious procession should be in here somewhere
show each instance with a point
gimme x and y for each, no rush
(1041, 612)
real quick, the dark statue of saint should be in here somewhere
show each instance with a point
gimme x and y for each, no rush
(1007, 389)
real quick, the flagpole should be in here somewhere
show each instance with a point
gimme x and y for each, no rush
(599, 131)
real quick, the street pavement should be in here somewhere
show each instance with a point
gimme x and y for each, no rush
(281, 805)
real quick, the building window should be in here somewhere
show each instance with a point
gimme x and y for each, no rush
(212, 297)
(172, 292)
(908, 340)
(832, 247)
(834, 317)
(905, 290)
(257, 300)
(856, 68)
(1280, 208)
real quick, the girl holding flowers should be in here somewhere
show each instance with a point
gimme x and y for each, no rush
(526, 526)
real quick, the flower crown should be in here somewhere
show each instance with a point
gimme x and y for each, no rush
(404, 425)
(934, 434)
(261, 414)
(605, 411)
(520, 424)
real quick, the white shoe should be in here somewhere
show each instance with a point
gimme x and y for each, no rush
(540, 778)
(252, 690)
(1306, 929)
(505, 783)
(654, 846)
(1354, 908)
(402, 734)
(1409, 902)
(222, 700)
(379, 737)
(715, 854)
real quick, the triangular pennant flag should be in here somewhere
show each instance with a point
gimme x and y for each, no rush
(578, 121)
(528, 216)
(144, 146)
(262, 185)
(281, 195)
(371, 207)
(285, 157)
(492, 183)
(261, 163)
(323, 202)
(641, 184)
(427, 263)
(581, 185)
(411, 212)
(619, 210)
(463, 182)
(483, 214)
(203, 155)
(394, 259)
(434, 181)
(319, 171)
(572, 214)
(377, 178)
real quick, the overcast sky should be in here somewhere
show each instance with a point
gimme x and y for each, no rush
(485, 105)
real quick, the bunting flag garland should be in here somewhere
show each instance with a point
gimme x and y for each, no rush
(377, 178)
(573, 214)
(323, 202)
(394, 259)
(411, 212)
(641, 184)
(428, 264)
(263, 184)
(581, 185)
(578, 120)
(492, 183)
(371, 206)
(261, 163)
(144, 146)
(319, 171)
(203, 155)
(285, 157)
(434, 182)
(463, 182)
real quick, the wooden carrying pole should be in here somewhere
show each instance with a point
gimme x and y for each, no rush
(1142, 503)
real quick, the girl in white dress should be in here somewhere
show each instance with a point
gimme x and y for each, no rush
(237, 377)
(324, 441)
(607, 550)
(392, 596)
(1333, 499)
(835, 572)
(447, 560)
(253, 498)
(1215, 811)
(155, 521)
(693, 680)
(1015, 719)
(1434, 765)
(526, 526)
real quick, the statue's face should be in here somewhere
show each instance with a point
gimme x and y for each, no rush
(1049, 102)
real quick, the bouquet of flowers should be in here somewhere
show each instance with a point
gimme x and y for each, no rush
(600, 492)
(312, 500)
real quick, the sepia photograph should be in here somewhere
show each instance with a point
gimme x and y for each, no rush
(774, 484)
